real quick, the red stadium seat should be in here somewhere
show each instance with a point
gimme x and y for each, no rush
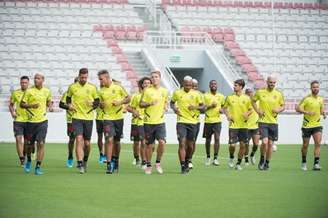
(108, 35)
(237, 52)
(243, 60)
(230, 45)
(131, 35)
(116, 50)
(111, 43)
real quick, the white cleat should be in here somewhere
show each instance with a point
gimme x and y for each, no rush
(238, 167)
(246, 163)
(230, 163)
(208, 161)
(304, 167)
(148, 170)
(216, 162)
(144, 167)
(159, 168)
(316, 167)
(253, 160)
(134, 162)
(190, 165)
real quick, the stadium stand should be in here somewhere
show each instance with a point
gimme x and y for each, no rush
(294, 45)
(60, 36)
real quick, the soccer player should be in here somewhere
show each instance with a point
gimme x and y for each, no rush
(312, 106)
(36, 100)
(185, 102)
(137, 123)
(154, 99)
(82, 98)
(20, 118)
(213, 103)
(70, 131)
(253, 132)
(112, 99)
(271, 103)
(237, 108)
(191, 150)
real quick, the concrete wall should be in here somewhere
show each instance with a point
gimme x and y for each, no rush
(289, 129)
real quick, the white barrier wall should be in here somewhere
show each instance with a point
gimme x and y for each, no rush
(289, 129)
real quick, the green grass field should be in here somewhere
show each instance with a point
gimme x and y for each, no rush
(284, 191)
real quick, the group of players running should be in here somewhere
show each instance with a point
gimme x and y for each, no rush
(250, 116)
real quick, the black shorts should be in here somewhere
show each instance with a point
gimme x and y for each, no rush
(100, 126)
(19, 128)
(308, 132)
(210, 129)
(36, 132)
(238, 135)
(70, 130)
(187, 130)
(269, 130)
(154, 132)
(253, 132)
(83, 127)
(113, 128)
(197, 131)
(137, 132)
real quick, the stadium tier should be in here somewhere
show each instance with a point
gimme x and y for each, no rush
(57, 38)
(293, 43)
(257, 38)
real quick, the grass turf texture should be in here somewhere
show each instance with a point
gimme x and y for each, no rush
(284, 191)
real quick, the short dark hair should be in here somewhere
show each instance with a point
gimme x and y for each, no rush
(213, 80)
(102, 72)
(83, 71)
(141, 81)
(240, 82)
(314, 82)
(25, 77)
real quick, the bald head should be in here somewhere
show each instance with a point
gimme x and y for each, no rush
(271, 82)
(38, 80)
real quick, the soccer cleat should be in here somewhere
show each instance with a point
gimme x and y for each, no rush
(110, 168)
(304, 167)
(316, 167)
(190, 165)
(69, 163)
(27, 166)
(85, 166)
(159, 168)
(216, 162)
(38, 171)
(260, 166)
(81, 169)
(246, 163)
(238, 167)
(230, 163)
(266, 166)
(138, 163)
(134, 162)
(208, 161)
(253, 160)
(143, 166)
(184, 170)
(102, 159)
(148, 170)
